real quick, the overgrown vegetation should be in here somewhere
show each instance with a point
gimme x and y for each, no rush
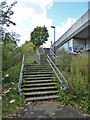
(10, 76)
(75, 70)
(11, 61)
(8, 108)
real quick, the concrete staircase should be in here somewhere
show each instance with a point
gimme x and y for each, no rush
(38, 82)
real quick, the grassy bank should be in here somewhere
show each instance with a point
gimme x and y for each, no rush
(75, 70)
(10, 81)
(11, 67)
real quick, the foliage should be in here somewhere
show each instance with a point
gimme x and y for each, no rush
(11, 60)
(13, 74)
(10, 38)
(7, 108)
(28, 48)
(10, 56)
(5, 19)
(6, 13)
(75, 70)
(13, 77)
(39, 36)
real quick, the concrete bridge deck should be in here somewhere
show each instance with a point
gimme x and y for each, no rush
(80, 30)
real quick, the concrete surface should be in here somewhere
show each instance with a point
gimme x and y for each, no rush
(49, 110)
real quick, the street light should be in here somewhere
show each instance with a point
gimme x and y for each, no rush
(54, 39)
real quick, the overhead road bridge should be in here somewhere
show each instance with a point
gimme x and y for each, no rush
(79, 33)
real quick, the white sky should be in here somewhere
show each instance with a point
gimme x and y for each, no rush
(29, 14)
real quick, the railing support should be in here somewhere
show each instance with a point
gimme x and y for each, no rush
(21, 74)
(38, 54)
(53, 66)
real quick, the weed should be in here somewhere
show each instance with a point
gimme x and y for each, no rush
(14, 73)
(8, 108)
(75, 70)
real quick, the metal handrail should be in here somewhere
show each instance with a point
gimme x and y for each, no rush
(21, 74)
(54, 70)
(52, 53)
(38, 54)
(51, 63)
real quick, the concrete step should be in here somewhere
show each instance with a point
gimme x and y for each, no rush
(44, 75)
(42, 98)
(36, 70)
(40, 81)
(40, 93)
(39, 78)
(36, 73)
(38, 85)
(39, 89)
(34, 66)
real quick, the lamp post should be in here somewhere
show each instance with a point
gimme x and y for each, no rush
(54, 39)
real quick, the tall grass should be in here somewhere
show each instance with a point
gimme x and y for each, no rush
(75, 70)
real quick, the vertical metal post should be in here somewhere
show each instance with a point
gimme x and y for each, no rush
(54, 47)
(38, 54)
(54, 41)
(54, 52)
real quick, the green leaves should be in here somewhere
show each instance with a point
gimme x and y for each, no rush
(7, 108)
(5, 19)
(39, 36)
(6, 13)
(75, 69)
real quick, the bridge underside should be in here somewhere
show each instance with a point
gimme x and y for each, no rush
(82, 35)
(79, 33)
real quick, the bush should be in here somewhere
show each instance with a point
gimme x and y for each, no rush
(10, 57)
(11, 66)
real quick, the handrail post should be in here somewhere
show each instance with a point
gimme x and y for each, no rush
(54, 69)
(51, 54)
(38, 54)
(21, 74)
(54, 75)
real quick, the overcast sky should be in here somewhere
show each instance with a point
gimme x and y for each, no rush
(29, 14)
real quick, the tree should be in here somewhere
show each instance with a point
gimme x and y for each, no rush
(39, 36)
(6, 13)
(28, 48)
(10, 38)
(5, 19)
